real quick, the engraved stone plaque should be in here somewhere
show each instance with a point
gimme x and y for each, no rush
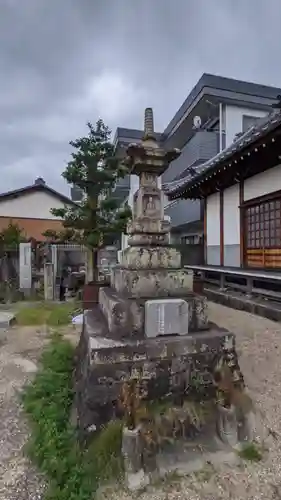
(166, 317)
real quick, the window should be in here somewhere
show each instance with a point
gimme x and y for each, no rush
(249, 121)
(190, 240)
(263, 225)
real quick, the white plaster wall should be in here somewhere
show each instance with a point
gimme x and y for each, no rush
(231, 216)
(32, 205)
(213, 219)
(232, 118)
(264, 183)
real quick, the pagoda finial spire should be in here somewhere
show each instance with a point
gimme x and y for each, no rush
(148, 124)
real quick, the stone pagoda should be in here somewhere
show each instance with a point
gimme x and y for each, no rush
(148, 321)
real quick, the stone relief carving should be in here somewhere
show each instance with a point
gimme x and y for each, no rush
(150, 204)
(148, 179)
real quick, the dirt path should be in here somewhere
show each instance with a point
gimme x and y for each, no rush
(259, 341)
(20, 349)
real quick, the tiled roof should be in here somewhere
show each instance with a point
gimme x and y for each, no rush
(35, 187)
(262, 128)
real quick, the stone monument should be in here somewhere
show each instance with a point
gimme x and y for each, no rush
(148, 324)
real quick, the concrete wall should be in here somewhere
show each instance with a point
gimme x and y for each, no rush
(201, 147)
(192, 255)
(233, 120)
(183, 211)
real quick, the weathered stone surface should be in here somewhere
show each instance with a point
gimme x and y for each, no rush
(166, 317)
(125, 317)
(147, 239)
(150, 258)
(227, 425)
(132, 450)
(148, 202)
(114, 348)
(150, 282)
(148, 225)
(165, 365)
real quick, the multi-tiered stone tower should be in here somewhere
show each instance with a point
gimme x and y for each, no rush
(148, 321)
(150, 268)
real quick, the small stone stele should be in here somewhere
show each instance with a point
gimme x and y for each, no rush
(227, 425)
(166, 317)
(132, 449)
(135, 477)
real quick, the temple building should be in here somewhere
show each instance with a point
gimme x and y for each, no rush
(241, 191)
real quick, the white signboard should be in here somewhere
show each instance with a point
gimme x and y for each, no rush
(25, 278)
(166, 317)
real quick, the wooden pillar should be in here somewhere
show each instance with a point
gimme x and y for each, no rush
(221, 230)
(242, 232)
(205, 229)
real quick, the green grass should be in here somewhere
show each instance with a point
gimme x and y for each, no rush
(52, 314)
(71, 473)
(251, 452)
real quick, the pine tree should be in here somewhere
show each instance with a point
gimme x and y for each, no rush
(98, 219)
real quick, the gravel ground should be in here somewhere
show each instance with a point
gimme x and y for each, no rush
(259, 345)
(258, 342)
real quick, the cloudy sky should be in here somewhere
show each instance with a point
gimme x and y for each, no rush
(66, 62)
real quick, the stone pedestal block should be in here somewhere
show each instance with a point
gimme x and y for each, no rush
(126, 317)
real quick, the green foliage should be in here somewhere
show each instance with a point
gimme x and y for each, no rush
(11, 236)
(71, 473)
(60, 236)
(95, 170)
(47, 313)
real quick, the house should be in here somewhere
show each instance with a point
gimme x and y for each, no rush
(29, 207)
(241, 192)
(216, 110)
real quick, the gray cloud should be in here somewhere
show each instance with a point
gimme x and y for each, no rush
(65, 62)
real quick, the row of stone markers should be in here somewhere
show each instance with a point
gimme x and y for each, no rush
(148, 340)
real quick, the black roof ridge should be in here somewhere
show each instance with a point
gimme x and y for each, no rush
(35, 187)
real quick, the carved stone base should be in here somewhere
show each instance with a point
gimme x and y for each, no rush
(171, 365)
(125, 318)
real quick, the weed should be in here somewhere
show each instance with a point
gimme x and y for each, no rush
(71, 473)
(52, 314)
(204, 475)
(250, 452)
